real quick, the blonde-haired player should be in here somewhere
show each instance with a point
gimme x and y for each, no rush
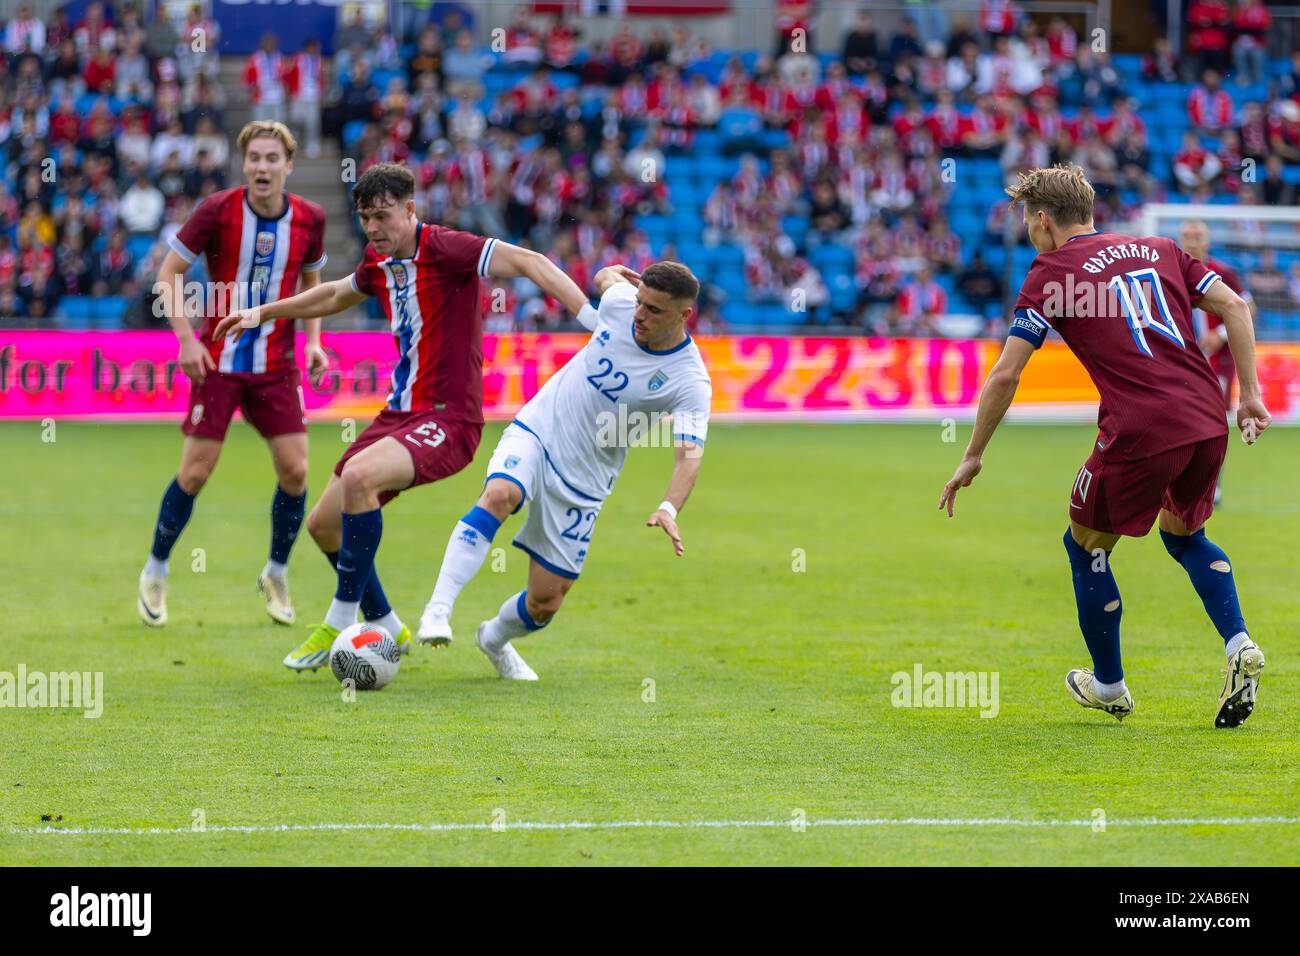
(262, 243)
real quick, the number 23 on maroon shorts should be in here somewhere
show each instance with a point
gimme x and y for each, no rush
(439, 447)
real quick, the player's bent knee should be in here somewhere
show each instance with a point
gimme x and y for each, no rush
(322, 526)
(359, 478)
(192, 478)
(293, 478)
(500, 497)
(543, 607)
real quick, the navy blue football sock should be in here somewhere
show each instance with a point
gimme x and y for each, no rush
(286, 520)
(356, 558)
(173, 515)
(374, 602)
(1097, 596)
(1211, 574)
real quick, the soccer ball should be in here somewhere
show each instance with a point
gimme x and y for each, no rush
(365, 654)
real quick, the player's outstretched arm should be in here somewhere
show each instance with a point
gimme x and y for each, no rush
(327, 298)
(686, 468)
(195, 360)
(999, 389)
(1252, 416)
(513, 262)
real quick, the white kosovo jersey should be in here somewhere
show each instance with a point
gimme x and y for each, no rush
(614, 393)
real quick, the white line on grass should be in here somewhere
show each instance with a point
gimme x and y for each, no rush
(862, 822)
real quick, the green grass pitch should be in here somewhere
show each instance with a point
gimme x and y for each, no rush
(772, 686)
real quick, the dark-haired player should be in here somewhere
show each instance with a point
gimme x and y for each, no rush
(1124, 307)
(564, 451)
(261, 244)
(427, 280)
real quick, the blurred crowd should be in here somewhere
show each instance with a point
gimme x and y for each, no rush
(573, 151)
(111, 129)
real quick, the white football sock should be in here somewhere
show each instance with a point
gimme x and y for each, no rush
(275, 569)
(506, 626)
(1235, 642)
(390, 622)
(342, 614)
(155, 568)
(467, 548)
(1109, 692)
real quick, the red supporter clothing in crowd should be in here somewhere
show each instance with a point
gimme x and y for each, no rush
(264, 77)
(1209, 110)
(1210, 22)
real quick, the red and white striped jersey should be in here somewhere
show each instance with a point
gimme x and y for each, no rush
(305, 77)
(252, 260)
(264, 75)
(432, 304)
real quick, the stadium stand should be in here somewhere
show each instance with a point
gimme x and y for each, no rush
(857, 190)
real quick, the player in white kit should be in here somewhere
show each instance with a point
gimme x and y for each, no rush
(564, 450)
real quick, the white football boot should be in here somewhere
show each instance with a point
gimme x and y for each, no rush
(1079, 682)
(1239, 686)
(151, 600)
(278, 603)
(507, 660)
(435, 625)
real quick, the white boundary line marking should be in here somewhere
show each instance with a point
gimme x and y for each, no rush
(859, 822)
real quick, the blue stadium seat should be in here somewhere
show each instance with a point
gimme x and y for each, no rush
(830, 260)
(352, 131)
(708, 142)
(736, 313)
(729, 257)
(732, 282)
(139, 246)
(381, 79)
(1173, 92)
(844, 294)
(75, 311)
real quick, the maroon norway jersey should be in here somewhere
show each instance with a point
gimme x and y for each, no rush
(1220, 361)
(1124, 307)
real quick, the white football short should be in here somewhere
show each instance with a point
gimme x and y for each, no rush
(558, 528)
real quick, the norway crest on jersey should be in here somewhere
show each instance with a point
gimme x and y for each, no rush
(658, 381)
(265, 243)
(399, 275)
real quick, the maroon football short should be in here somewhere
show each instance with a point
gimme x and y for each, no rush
(439, 446)
(1125, 497)
(272, 403)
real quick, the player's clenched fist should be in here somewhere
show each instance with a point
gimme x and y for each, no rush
(664, 520)
(1252, 418)
(195, 360)
(317, 362)
(239, 320)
